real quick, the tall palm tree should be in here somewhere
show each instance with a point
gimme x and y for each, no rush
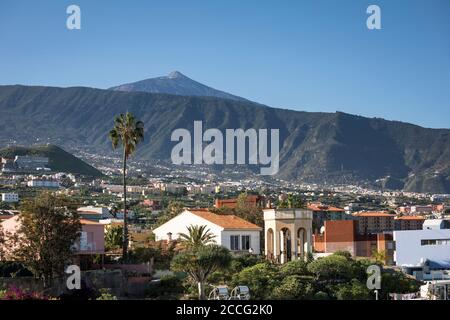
(128, 132)
(198, 236)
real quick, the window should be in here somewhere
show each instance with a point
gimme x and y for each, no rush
(234, 242)
(434, 242)
(246, 242)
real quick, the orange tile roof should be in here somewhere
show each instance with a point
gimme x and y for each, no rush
(228, 221)
(410, 218)
(323, 207)
(374, 214)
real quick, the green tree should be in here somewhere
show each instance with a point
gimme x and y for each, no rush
(334, 268)
(243, 210)
(347, 255)
(379, 256)
(294, 287)
(261, 278)
(248, 212)
(397, 282)
(2, 243)
(199, 263)
(197, 236)
(355, 290)
(114, 237)
(173, 209)
(295, 267)
(128, 132)
(49, 227)
(238, 263)
(292, 201)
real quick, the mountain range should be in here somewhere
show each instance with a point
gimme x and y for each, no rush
(314, 146)
(175, 83)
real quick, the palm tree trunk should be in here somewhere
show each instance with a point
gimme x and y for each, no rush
(201, 291)
(125, 223)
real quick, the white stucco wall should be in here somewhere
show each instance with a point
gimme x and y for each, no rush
(254, 239)
(180, 223)
(409, 251)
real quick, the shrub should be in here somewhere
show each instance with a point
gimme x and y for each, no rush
(13, 269)
(334, 267)
(352, 291)
(105, 294)
(169, 287)
(295, 267)
(320, 295)
(294, 287)
(14, 293)
(260, 278)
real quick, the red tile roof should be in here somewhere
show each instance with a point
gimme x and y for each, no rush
(226, 221)
(373, 214)
(410, 218)
(323, 207)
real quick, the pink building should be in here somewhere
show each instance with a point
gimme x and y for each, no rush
(92, 237)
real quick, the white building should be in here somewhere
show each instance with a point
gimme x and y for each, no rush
(30, 163)
(35, 183)
(10, 197)
(422, 209)
(439, 197)
(94, 213)
(432, 244)
(230, 231)
(171, 187)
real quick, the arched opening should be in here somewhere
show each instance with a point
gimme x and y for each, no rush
(302, 243)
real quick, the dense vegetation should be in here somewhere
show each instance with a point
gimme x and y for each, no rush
(336, 277)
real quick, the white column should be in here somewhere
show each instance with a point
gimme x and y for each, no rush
(276, 243)
(282, 247)
(266, 242)
(294, 245)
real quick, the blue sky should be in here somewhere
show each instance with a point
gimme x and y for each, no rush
(303, 55)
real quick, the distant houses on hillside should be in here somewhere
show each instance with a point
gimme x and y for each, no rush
(24, 164)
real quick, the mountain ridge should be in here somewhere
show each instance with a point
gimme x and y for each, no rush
(314, 146)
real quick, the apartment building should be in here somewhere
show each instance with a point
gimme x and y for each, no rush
(322, 213)
(30, 163)
(343, 235)
(374, 222)
(38, 183)
(251, 200)
(408, 223)
(10, 197)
